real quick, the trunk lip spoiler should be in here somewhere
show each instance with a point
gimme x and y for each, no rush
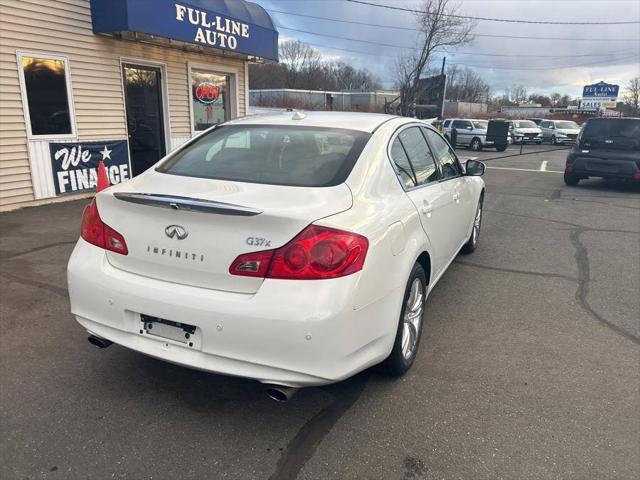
(174, 202)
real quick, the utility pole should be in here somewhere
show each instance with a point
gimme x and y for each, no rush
(444, 59)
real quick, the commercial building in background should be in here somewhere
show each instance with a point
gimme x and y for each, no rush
(122, 81)
(374, 101)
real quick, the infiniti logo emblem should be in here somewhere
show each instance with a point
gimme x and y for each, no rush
(176, 231)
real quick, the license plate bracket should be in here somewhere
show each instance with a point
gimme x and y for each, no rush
(168, 329)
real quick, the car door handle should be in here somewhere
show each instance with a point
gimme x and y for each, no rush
(456, 197)
(426, 208)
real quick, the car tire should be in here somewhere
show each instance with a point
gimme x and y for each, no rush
(553, 140)
(472, 243)
(571, 180)
(407, 341)
(501, 148)
(476, 144)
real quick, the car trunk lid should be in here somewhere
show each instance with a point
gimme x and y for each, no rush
(189, 230)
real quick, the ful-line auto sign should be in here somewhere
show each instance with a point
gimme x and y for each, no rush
(600, 90)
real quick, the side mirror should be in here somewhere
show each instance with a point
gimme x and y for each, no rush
(474, 168)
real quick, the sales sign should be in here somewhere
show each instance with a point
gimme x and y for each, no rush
(75, 165)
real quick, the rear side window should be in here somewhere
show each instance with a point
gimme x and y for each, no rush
(419, 155)
(461, 124)
(268, 154)
(403, 167)
(446, 123)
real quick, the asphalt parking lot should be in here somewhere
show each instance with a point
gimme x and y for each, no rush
(528, 369)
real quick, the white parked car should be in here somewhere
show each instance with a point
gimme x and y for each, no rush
(524, 131)
(559, 131)
(469, 133)
(293, 249)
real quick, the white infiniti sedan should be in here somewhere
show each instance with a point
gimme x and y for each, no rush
(295, 249)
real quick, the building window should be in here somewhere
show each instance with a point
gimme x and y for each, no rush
(46, 94)
(210, 102)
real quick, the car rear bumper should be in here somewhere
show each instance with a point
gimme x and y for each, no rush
(607, 168)
(295, 333)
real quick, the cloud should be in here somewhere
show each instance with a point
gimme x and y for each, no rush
(589, 60)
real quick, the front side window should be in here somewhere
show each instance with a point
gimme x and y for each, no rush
(271, 154)
(209, 99)
(419, 155)
(444, 154)
(47, 95)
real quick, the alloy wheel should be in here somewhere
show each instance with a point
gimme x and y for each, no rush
(412, 321)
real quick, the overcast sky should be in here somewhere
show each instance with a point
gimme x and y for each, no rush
(575, 63)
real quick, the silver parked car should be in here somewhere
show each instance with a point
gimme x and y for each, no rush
(559, 131)
(524, 131)
(469, 133)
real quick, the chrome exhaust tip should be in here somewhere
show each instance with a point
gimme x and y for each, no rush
(99, 342)
(280, 393)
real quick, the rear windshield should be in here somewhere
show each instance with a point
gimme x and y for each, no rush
(619, 133)
(276, 155)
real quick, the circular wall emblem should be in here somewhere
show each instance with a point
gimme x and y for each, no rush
(207, 92)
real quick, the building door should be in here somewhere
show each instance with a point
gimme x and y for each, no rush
(145, 118)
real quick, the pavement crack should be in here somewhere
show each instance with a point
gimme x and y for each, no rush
(36, 249)
(561, 222)
(584, 278)
(521, 272)
(302, 447)
(35, 283)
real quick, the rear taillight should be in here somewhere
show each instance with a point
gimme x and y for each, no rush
(569, 168)
(96, 232)
(636, 176)
(316, 253)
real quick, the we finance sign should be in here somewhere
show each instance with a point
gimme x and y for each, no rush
(75, 165)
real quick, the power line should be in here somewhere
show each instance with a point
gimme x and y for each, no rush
(572, 39)
(442, 51)
(485, 67)
(489, 19)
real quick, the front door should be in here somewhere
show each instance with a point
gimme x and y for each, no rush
(145, 118)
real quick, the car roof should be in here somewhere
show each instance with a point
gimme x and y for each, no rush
(366, 122)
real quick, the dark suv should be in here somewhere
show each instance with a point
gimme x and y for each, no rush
(606, 148)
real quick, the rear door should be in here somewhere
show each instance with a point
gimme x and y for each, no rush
(417, 170)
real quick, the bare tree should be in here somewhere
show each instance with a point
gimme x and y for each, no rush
(299, 58)
(555, 99)
(465, 85)
(518, 94)
(632, 95)
(439, 30)
(303, 67)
